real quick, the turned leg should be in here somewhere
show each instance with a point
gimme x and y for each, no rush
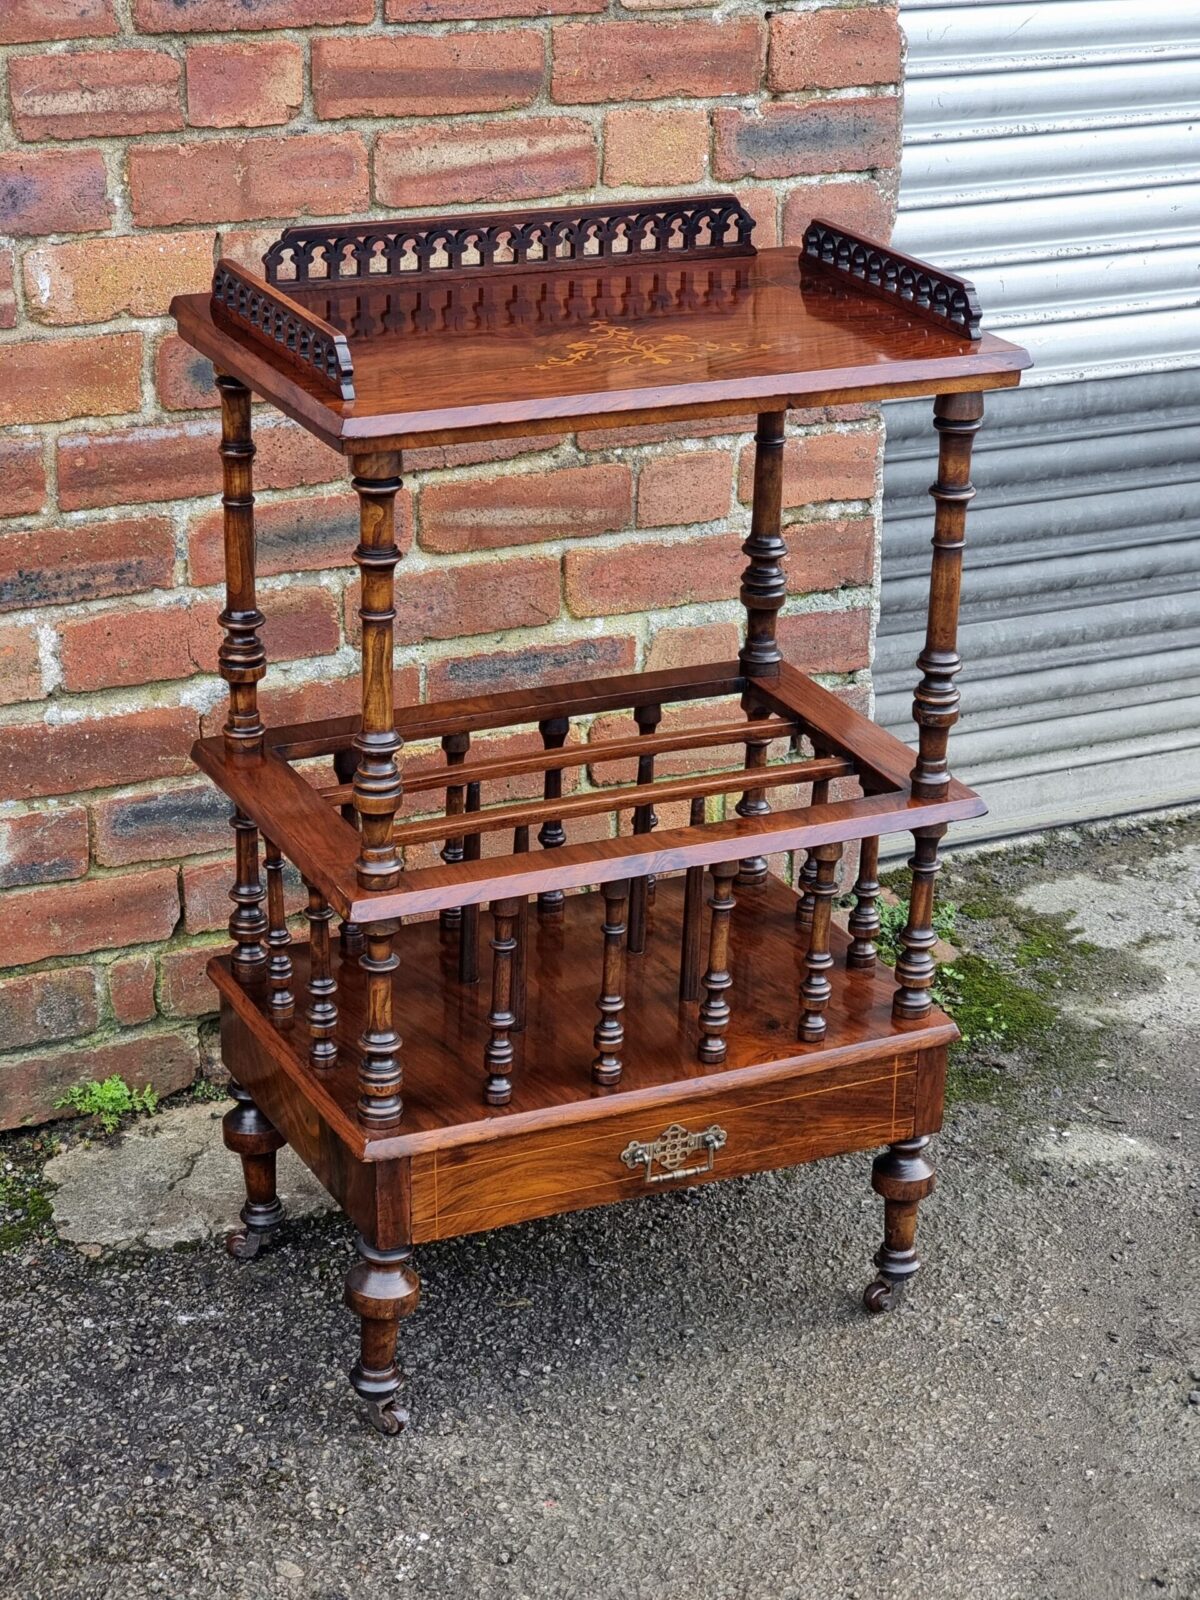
(903, 1176)
(249, 1135)
(380, 1289)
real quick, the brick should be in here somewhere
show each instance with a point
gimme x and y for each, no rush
(693, 647)
(107, 913)
(95, 279)
(788, 141)
(166, 824)
(479, 10)
(595, 61)
(43, 846)
(234, 180)
(449, 602)
(206, 902)
(694, 486)
(432, 75)
(183, 378)
(493, 161)
(830, 554)
(20, 668)
(22, 476)
(826, 641)
(131, 989)
(49, 380)
(762, 206)
(95, 752)
(536, 663)
(29, 1086)
(652, 148)
(301, 621)
(187, 990)
(93, 94)
(8, 298)
(646, 576)
(53, 191)
(218, 16)
(84, 561)
(108, 649)
(864, 207)
(526, 508)
(315, 699)
(180, 460)
(31, 21)
(45, 1006)
(292, 536)
(820, 466)
(833, 48)
(244, 85)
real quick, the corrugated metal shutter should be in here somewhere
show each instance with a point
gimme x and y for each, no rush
(1052, 154)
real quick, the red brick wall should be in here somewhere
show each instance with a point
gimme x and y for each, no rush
(133, 129)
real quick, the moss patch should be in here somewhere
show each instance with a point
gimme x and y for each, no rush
(25, 1209)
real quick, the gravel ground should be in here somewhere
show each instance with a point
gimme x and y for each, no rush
(682, 1398)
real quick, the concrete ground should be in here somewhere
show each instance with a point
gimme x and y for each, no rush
(678, 1398)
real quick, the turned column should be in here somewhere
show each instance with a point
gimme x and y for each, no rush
(499, 1053)
(609, 1035)
(718, 980)
(279, 940)
(903, 1176)
(763, 591)
(241, 658)
(864, 924)
(816, 990)
(377, 783)
(381, 1287)
(915, 967)
(957, 418)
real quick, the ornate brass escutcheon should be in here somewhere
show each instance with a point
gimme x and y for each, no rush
(671, 1149)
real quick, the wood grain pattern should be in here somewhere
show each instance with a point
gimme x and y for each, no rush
(786, 334)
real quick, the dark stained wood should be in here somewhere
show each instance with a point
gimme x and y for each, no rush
(454, 747)
(903, 1176)
(884, 273)
(816, 990)
(248, 924)
(381, 1288)
(779, 333)
(553, 811)
(499, 1053)
(691, 933)
(695, 227)
(321, 1014)
(251, 1136)
(717, 980)
(644, 821)
(864, 924)
(241, 658)
(377, 783)
(521, 958)
(380, 1075)
(279, 962)
(551, 835)
(915, 966)
(957, 418)
(468, 934)
(609, 1036)
(290, 333)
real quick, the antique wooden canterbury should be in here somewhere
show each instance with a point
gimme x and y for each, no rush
(640, 1035)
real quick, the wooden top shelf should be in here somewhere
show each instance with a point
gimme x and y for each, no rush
(422, 335)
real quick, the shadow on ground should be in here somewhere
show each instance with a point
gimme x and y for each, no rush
(680, 1398)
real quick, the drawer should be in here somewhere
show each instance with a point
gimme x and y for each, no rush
(575, 1164)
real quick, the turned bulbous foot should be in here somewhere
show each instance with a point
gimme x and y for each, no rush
(902, 1175)
(381, 1288)
(249, 1135)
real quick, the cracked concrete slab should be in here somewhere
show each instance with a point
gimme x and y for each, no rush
(168, 1180)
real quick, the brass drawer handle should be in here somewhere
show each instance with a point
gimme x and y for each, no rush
(671, 1149)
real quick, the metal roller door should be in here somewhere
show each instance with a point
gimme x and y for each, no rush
(1052, 154)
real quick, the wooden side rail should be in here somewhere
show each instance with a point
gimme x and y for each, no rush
(291, 332)
(885, 274)
(492, 769)
(595, 802)
(581, 697)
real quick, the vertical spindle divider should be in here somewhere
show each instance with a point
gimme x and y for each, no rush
(455, 747)
(693, 905)
(718, 980)
(647, 718)
(763, 591)
(864, 924)
(521, 959)
(322, 1012)
(609, 1037)
(816, 990)
(552, 834)
(468, 935)
(279, 961)
(378, 788)
(499, 1053)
